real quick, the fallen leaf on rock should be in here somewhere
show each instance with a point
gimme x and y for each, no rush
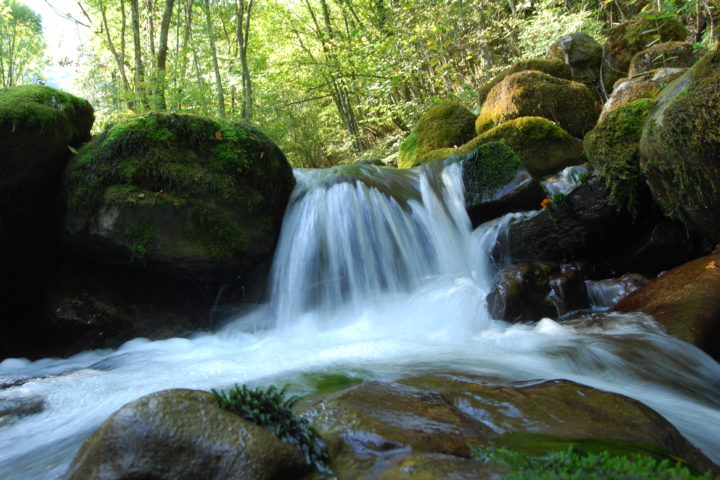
(546, 202)
(218, 135)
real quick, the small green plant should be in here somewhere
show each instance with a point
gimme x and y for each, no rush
(559, 205)
(270, 409)
(140, 237)
(574, 463)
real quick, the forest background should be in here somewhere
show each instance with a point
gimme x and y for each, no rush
(332, 81)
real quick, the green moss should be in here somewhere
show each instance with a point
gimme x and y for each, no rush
(613, 149)
(140, 237)
(487, 168)
(330, 382)
(269, 408)
(556, 68)
(536, 94)
(447, 124)
(215, 232)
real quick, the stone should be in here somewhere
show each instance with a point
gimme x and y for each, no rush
(552, 66)
(662, 56)
(582, 53)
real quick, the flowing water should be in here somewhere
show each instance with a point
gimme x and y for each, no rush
(378, 274)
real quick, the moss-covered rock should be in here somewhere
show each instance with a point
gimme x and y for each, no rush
(680, 148)
(613, 149)
(183, 434)
(664, 55)
(447, 124)
(647, 86)
(629, 38)
(554, 66)
(536, 94)
(178, 192)
(38, 128)
(582, 54)
(686, 300)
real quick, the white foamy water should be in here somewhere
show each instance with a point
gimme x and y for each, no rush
(377, 275)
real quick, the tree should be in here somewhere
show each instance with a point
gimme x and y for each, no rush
(21, 44)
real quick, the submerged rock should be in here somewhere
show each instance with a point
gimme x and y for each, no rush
(536, 94)
(552, 66)
(178, 193)
(445, 125)
(183, 434)
(686, 300)
(680, 148)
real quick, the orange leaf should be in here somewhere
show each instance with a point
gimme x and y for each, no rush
(546, 203)
(711, 265)
(218, 135)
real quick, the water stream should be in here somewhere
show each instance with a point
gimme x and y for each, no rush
(378, 274)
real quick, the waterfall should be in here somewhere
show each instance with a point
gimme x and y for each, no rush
(377, 273)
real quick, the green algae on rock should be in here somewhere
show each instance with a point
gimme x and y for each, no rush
(536, 94)
(183, 192)
(613, 149)
(447, 124)
(680, 148)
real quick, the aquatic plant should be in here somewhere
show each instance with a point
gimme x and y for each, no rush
(272, 410)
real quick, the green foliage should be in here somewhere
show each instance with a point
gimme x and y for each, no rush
(574, 463)
(22, 45)
(270, 409)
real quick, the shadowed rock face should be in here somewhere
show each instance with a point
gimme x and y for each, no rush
(426, 423)
(183, 434)
(686, 300)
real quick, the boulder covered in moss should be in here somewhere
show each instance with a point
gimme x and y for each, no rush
(582, 53)
(629, 38)
(447, 124)
(664, 55)
(613, 149)
(647, 85)
(686, 301)
(536, 94)
(496, 183)
(39, 127)
(180, 193)
(552, 66)
(183, 434)
(680, 148)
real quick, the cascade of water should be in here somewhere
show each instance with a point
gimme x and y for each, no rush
(376, 268)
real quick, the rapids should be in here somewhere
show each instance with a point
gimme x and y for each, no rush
(377, 274)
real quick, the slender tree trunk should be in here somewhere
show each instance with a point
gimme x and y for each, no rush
(118, 56)
(162, 54)
(139, 67)
(244, 12)
(216, 65)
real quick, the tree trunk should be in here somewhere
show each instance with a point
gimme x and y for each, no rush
(216, 65)
(118, 56)
(243, 36)
(162, 54)
(139, 67)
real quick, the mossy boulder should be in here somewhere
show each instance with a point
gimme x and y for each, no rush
(613, 149)
(664, 55)
(582, 53)
(647, 85)
(680, 148)
(554, 66)
(183, 434)
(187, 194)
(686, 301)
(629, 38)
(447, 124)
(536, 94)
(38, 128)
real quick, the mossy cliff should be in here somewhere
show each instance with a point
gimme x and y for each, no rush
(182, 191)
(445, 125)
(536, 94)
(680, 148)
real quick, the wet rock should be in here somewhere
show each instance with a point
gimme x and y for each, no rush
(647, 85)
(551, 66)
(686, 300)
(631, 37)
(604, 294)
(530, 291)
(183, 434)
(536, 94)
(582, 54)
(664, 55)
(429, 466)
(445, 125)
(14, 408)
(680, 148)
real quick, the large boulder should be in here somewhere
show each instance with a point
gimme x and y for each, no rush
(664, 55)
(552, 66)
(39, 126)
(447, 124)
(536, 94)
(183, 434)
(629, 38)
(582, 54)
(197, 197)
(686, 300)
(680, 148)
(647, 85)
(612, 147)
